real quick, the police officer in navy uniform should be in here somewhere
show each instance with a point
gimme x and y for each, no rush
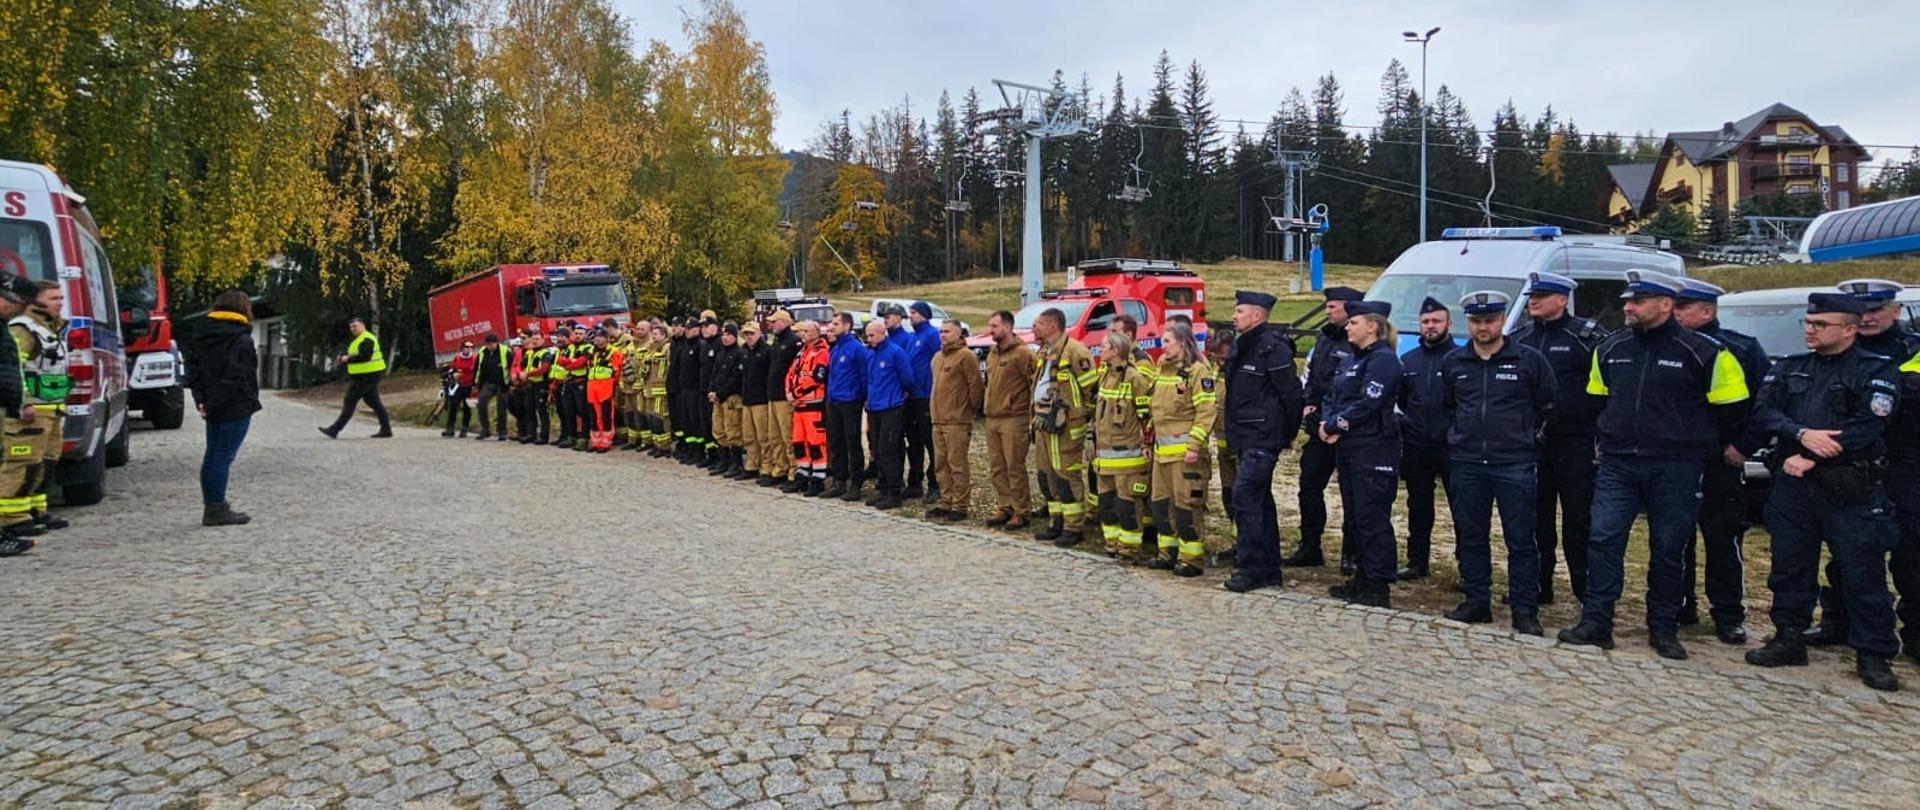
(1496, 393)
(1673, 400)
(1357, 420)
(1263, 411)
(1830, 409)
(1723, 497)
(1423, 431)
(1882, 332)
(1565, 487)
(1330, 351)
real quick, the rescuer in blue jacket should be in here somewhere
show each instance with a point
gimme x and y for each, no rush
(846, 400)
(889, 383)
(1423, 431)
(923, 342)
(1497, 394)
(1673, 400)
(1357, 420)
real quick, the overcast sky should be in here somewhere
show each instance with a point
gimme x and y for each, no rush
(1624, 65)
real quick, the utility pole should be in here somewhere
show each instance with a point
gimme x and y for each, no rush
(1423, 40)
(1039, 113)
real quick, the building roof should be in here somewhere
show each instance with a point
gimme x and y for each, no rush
(1870, 230)
(1702, 146)
(1634, 181)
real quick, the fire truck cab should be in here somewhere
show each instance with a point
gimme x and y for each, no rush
(1151, 291)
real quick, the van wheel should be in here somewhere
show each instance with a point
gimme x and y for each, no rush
(120, 449)
(83, 482)
(168, 410)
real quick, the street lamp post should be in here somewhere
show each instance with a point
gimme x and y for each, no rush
(1423, 40)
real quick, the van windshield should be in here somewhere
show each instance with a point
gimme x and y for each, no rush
(1072, 309)
(26, 249)
(1405, 291)
(593, 298)
(1776, 326)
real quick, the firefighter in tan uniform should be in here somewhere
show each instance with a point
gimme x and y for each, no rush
(1009, 409)
(40, 335)
(1120, 463)
(1184, 409)
(632, 344)
(1063, 383)
(958, 392)
(19, 464)
(655, 428)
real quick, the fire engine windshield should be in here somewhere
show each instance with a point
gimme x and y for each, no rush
(26, 249)
(588, 298)
(1071, 308)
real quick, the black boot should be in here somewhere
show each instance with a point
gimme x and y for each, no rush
(1587, 634)
(220, 514)
(795, 485)
(1471, 613)
(1306, 557)
(1787, 648)
(1667, 646)
(1243, 581)
(834, 490)
(1527, 624)
(1411, 572)
(854, 492)
(50, 522)
(1825, 635)
(1876, 673)
(1374, 594)
(1345, 590)
(1053, 530)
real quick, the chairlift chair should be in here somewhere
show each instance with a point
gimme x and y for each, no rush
(1137, 188)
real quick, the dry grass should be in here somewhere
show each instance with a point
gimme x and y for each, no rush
(1769, 276)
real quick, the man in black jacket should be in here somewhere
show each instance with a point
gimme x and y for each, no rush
(1330, 350)
(1423, 432)
(776, 455)
(1263, 410)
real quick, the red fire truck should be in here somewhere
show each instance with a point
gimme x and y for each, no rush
(505, 298)
(1150, 291)
(153, 360)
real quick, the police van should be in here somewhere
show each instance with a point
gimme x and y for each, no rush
(1465, 260)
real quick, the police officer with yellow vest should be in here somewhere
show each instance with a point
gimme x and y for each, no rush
(365, 366)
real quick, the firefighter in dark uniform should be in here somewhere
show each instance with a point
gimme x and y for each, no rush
(1330, 351)
(1496, 393)
(1567, 441)
(1262, 413)
(1357, 420)
(1723, 495)
(1673, 400)
(1831, 409)
(1881, 332)
(684, 372)
(1423, 431)
(700, 370)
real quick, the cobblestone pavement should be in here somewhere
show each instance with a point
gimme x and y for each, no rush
(405, 621)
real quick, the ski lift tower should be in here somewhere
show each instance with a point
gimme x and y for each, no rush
(1041, 114)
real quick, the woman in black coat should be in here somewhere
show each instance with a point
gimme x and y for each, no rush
(223, 374)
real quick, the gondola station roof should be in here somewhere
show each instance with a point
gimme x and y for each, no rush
(1879, 229)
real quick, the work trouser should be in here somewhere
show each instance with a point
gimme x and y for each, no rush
(950, 473)
(1565, 477)
(917, 435)
(677, 416)
(458, 410)
(1723, 521)
(1316, 470)
(20, 470)
(582, 410)
(756, 425)
(1256, 548)
(776, 446)
(1473, 493)
(536, 421)
(629, 427)
(1369, 481)
(55, 420)
(600, 412)
(1903, 489)
(846, 461)
(809, 442)
(363, 388)
(1229, 464)
(1669, 492)
(563, 407)
(726, 422)
(1799, 519)
(1422, 467)
(1121, 497)
(655, 424)
(1008, 438)
(1180, 505)
(493, 396)
(1060, 462)
(888, 426)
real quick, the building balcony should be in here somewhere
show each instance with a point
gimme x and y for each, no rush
(1801, 141)
(1770, 172)
(1680, 193)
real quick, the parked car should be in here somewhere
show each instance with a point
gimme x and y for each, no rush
(795, 301)
(1468, 260)
(873, 311)
(47, 234)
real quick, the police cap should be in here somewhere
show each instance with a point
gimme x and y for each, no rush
(1432, 305)
(1342, 294)
(1818, 303)
(1380, 308)
(1485, 302)
(1254, 298)
(1875, 291)
(1554, 283)
(1693, 289)
(1647, 282)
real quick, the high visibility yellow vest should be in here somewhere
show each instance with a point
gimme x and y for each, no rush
(372, 365)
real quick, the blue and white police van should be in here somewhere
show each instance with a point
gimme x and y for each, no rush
(1465, 260)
